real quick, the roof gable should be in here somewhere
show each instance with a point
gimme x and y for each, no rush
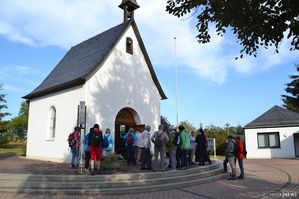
(82, 59)
(275, 117)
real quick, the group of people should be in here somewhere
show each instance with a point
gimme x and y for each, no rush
(176, 149)
(95, 144)
(235, 151)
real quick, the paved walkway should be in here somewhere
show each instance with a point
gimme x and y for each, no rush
(277, 178)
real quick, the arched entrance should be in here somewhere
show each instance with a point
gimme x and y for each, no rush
(125, 119)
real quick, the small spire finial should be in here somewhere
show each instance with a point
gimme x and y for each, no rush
(128, 6)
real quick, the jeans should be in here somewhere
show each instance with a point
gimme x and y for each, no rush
(225, 164)
(87, 158)
(146, 158)
(75, 154)
(240, 161)
(172, 155)
(232, 163)
(160, 151)
(185, 158)
(131, 154)
(178, 157)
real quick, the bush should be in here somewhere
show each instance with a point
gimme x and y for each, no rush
(4, 141)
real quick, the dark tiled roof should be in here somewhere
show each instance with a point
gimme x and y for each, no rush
(275, 117)
(83, 59)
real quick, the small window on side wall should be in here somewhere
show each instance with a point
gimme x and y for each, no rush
(51, 123)
(129, 45)
(268, 140)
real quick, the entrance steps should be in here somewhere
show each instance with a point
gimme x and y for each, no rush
(111, 184)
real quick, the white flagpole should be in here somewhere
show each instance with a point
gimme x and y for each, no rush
(177, 85)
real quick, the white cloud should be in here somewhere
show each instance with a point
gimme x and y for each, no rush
(65, 23)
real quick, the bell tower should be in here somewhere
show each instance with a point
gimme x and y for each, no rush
(128, 6)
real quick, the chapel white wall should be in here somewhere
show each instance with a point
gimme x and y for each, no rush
(123, 81)
(39, 146)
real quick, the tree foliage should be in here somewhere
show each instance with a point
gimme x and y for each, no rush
(255, 23)
(291, 101)
(188, 125)
(2, 105)
(166, 124)
(17, 127)
(3, 124)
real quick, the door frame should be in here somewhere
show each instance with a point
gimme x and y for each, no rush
(296, 136)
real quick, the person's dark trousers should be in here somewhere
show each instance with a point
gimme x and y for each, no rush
(225, 164)
(178, 157)
(240, 161)
(146, 158)
(87, 158)
(185, 158)
(131, 154)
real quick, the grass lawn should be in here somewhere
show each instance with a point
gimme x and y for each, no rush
(14, 148)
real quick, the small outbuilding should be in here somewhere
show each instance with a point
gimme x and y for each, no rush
(274, 134)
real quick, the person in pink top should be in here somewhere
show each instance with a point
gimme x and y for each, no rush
(75, 149)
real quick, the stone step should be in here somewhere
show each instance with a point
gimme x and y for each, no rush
(113, 178)
(106, 184)
(119, 190)
(111, 184)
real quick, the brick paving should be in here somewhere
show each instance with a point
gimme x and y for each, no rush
(276, 178)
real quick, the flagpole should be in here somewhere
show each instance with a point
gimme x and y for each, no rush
(177, 85)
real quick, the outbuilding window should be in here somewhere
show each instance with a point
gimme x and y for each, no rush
(268, 140)
(129, 45)
(51, 123)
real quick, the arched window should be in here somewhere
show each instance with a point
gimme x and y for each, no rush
(52, 123)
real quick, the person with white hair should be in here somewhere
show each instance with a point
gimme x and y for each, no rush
(146, 161)
(160, 139)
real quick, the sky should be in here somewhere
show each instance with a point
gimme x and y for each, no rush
(213, 87)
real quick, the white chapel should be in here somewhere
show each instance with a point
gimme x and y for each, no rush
(111, 75)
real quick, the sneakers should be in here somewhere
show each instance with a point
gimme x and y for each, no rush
(240, 177)
(233, 177)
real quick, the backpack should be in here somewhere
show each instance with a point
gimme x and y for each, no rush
(95, 139)
(71, 139)
(105, 142)
(177, 139)
(159, 142)
(130, 139)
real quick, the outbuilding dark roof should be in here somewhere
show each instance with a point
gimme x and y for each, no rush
(275, 117)
(84, 58)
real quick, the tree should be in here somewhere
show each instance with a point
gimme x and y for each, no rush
(166, 124)
(17, 127)
(2, 105)
(255, 23)
(188, 125)
(3, 124)
(291, 102)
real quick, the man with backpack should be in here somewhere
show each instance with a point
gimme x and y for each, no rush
(95, 146)
(130, 139)
(159, 138)
(230, 155)
(74, 144)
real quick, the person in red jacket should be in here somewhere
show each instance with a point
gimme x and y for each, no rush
(240, 156)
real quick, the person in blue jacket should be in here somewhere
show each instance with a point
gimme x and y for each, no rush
(86, 149)
(130, 139)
